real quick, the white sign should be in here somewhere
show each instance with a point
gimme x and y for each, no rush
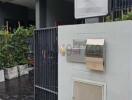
(90, 8)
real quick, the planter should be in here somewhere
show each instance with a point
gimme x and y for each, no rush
(23, 70)
(2, 77)
(11, 73)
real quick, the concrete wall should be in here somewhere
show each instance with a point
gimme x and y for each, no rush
(54, 12)
(37, 13)
(1, 17)
(118, 74)
(50, 12)
(60, 11)
(31, 14)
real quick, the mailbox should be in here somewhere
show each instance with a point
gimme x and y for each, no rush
(94, 54)
(90, 51)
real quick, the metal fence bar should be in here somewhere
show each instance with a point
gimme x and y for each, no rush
(117, 5)
(117, 9)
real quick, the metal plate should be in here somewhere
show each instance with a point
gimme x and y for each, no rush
(77, 53)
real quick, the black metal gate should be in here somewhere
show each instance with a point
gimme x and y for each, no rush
(46, 64)
(117, 5)
(119, 8)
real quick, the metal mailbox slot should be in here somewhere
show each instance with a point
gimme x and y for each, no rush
(94, 54)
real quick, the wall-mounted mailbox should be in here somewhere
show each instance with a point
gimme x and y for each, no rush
(94, 54)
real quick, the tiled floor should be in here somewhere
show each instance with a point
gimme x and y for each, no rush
(17, 89)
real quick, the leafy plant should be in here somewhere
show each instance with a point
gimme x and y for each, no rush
(118, 19)
(108, 19)
(6, 56)
(14, 47)
(30, 31)
(6, 50)
(20, 45)
(128, 16)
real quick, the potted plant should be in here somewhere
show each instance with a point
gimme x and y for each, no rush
(13, 52)
(2, 77)
(7, 57)
(21, 49)
(10, 68)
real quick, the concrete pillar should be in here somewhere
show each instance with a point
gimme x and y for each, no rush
(37, 13)
(40, 13)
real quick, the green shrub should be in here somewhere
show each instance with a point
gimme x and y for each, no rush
(108, 19)
(14, 48)
(6, 50)
(128, 16)
(6, 56)
(20, 44)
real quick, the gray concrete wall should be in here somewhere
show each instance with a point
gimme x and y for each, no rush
(118, 73)
(31, 14)
(54, 12)
(37, 13)
(59, 11)
(48, 12)
(1, 17)
(41, 12)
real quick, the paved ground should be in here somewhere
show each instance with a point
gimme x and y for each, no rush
(17, 89)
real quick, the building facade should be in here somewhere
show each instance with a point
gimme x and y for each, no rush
(14, 13)
(61, 12)
(51, 13)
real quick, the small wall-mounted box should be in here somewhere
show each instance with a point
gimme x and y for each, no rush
(94, 54)
(76, 53)
(88, 90)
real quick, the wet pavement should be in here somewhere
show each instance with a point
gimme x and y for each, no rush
(17, 89)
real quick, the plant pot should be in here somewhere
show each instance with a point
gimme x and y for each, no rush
(11, 73)
(2, 77)
(23, 70)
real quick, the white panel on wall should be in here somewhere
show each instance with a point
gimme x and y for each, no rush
(89, 90)
(90, 8)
